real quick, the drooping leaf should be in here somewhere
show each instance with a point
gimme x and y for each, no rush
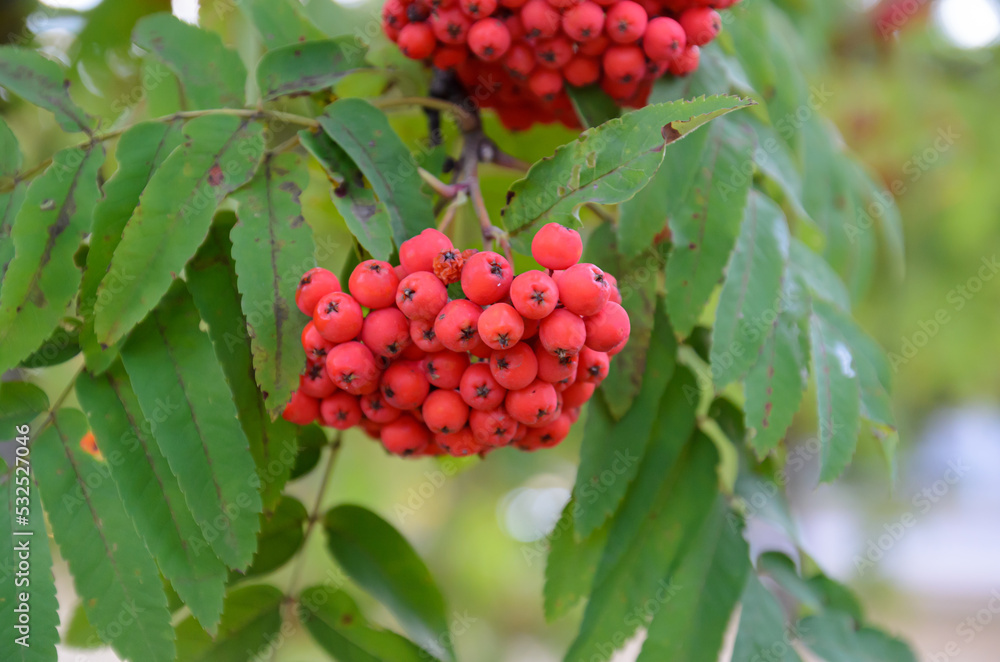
(665, 508)
(141, 150)
(363, 132)
(212, 283)
(279, 22)
(336, 623)
(837, 396)
(751, 292)
(691, 619)
(311, 440)
(10, 200)
(61, 346)
(704, 227)
(42, 279)
(281, 536)
(607, 164)
(20, 403)
(40, 81)
(272, 248)
(308, 66)
(80, 633)
(593, 105)
(220, 154)
(833, 637)
(27, 538)
(366, 218)
(569, 571)
(762, 634)
(210, 75)
(150, 493)
(821, 280)
(181, 386)
(251, 621)
(382, 562)
(112, 571)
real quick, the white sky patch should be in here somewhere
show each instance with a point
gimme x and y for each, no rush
(968, 23)
(78, 5)
(186, 10)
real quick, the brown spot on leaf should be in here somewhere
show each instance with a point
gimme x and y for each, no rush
(669, 133)
(215, 175)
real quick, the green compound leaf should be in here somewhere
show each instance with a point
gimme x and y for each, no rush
(42, 278)
(251, 622)
(150, 493)
(279, 22)
(112, 570)
(10, 201)
(61, 346)
(382, 562)
(834, 637)
(308, 66)
(210, 75)
(181, 386)
(363, 132)
(569, 571)
(20, 403)
(141, 150)
(272, 248)
(219, 154)
(40, 81)
(34, 641)
(593, 105)
(607, 164)
(762, 633)
(336, 623)
(281, 536)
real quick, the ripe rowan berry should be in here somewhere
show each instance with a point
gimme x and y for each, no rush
(494, 427)
(338, 317)
(512, 4)
(445, 369)
(617, 90)
(686, 62)
(480, 349)
(373, 284)
(530, 328)
(554, 53)
(340, 410)
(448, 265)
(486, 277)
(701, 25)
(555, 246)
(489, 39)
(584, 21)
(449, 57)
(664, 39)
(394, 14)
(534, 294)
(412, 353)
(352, 368)
(457, 325)
(594, 47)
(404, 385)
(315, 345)
(405, 436)
(614, 293)
(301, 409)
(519, 60)
(624, 64)
(578, 394)
(582, 71)
(450, 26)
(563, 4)
(583, 289)
(478, 9)
(376, 408)
(444, 411)
(500, 326)
(554, 369)
(540, 19)
(562, 333)
(416, 40)
(459, 444)
(532, 404)
(514, 368)
(479, 389)
(386, 332)
(547, 437)
(545, 84)
(593, 366)
(421, 295)
(626, 21)
(608, 328)
(314, 285)
(315, 383)
(423, 336)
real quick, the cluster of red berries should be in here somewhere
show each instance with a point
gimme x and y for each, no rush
(516, 55)
(512, 363)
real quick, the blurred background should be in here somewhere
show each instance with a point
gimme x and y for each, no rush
(914, 87)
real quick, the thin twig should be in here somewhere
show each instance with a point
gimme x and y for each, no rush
(452, 210)
(465, 120)
(289, 144)
(60, 399)
(442, 189)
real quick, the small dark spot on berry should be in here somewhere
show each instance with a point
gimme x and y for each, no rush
(387, 391)
(483, 391)
(502, 364)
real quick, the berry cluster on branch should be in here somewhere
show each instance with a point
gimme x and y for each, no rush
(511, 363)
(517, 56)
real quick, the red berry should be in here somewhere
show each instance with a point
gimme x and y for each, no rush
(686, 62)
(477, 9)
(489, 39)
(340, 410)
(578, 394)
(450, 26)
(617, 90)
(519, 60)
(608, 328)
(624, 64)
(583, 289)
(444, 411)
(530, 328)
(486, 277)
(459, 444)
(555, 246)
(376, 408)
(701, 25)
(562, 333)
(315, 284)
(416, 40)
(421, 295)
(481, 350)
(514, 368)
(457, 325)
(479, 389)
(594, 47)
(555, 369)
(554, 53)
(405, 436)
(545, 84)
(404, 385)
(338, 317)
(373, 283)
(423, 336)
(301, 409)
(386, 332)
(532, 404)
(413, 353)
(563, 4)
(352, 368)
(315, 383)
(593, 366)
(581, 71)
(500, 326)
(494, 427)
(315, 345)
(418, 253)
(626, 22)
(449, 57)
(548, 436)
(445, 369)
(664, 39)
(615, 293)
(540, 19)
(394, 14)
(583, 22)
(534, 294)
